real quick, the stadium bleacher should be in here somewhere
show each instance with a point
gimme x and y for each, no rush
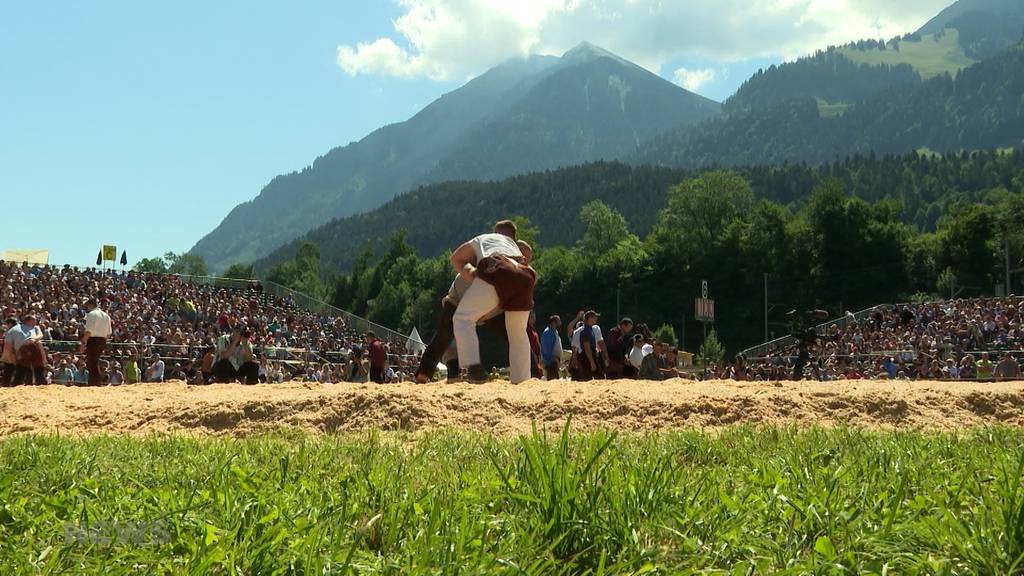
(176, 318)
(977, 339)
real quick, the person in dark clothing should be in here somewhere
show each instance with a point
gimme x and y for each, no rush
(536, 369)
(444, 335)
(378, 357)
(617, 343)
(589, 355)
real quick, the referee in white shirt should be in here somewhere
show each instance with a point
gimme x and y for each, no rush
(97, 330)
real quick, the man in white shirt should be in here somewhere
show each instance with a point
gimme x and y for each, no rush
(94, 339)
(481, 298)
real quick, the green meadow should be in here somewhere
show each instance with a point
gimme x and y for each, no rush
(933, 55)
(742, 501)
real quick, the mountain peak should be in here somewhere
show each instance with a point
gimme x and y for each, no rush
(585, 51)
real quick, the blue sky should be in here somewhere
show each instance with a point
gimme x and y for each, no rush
(142, 123)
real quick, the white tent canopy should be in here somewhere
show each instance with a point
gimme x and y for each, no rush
(415, 343)
(41, 257)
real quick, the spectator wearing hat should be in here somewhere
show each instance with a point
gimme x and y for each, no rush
(94, 340)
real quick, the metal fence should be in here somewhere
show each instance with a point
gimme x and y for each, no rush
(762, 350)
(823, 329)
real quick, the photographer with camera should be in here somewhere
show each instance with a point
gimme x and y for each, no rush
(235, 358)
(802, 327)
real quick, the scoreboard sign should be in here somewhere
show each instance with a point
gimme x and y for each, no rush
(704, 310)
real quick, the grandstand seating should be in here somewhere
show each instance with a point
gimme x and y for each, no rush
(177, 317)
(952, 339)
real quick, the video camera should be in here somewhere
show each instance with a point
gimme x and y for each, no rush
(803, 328)
(803, 324)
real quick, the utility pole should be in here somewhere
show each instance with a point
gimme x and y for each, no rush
(682, 334)
(765, 307)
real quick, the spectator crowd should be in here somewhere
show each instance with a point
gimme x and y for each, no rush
(950, 340)
(169, 327)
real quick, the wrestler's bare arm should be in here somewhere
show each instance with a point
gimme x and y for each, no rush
(462, 257)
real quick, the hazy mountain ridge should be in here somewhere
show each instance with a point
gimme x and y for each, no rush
(986, 27)
(982, 108)
(518, 117)
(610, 109)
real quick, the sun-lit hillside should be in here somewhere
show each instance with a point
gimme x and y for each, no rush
(931, 56)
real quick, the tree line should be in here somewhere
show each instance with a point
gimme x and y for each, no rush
(436, 217)
(834, 251)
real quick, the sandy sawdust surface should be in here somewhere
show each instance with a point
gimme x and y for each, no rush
(236, 410)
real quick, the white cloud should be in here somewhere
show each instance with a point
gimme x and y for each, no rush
(447, 39)
(692, 80)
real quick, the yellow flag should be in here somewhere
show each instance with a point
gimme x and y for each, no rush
(109, 252)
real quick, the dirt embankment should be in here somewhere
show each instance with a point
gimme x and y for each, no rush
(500, 408)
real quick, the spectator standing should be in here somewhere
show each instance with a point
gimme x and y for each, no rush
(378, 358)
(28, 349)
(536, 365)
(94, 340)
(551, 348)
(358, 368)
(589, 342)
(636, 355)
(617, 344)
(8, 361)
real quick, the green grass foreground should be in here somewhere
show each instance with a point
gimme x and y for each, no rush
(740, 502)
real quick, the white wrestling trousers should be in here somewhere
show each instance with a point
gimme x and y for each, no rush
(478, 301)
